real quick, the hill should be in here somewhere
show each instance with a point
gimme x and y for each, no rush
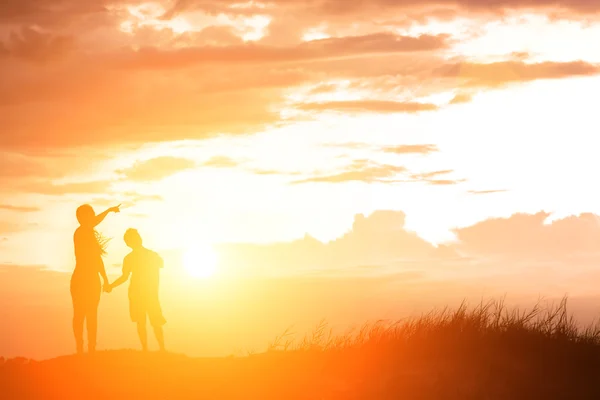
(484, 353)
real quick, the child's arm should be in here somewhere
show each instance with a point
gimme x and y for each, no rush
(124, 276)
(104, 277)
(100, 217)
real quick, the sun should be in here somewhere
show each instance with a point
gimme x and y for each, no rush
(200, 261)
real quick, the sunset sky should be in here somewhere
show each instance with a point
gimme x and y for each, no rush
(306, 138)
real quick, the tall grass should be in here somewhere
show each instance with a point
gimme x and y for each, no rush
(489, 321)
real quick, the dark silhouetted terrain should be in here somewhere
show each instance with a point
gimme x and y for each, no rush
(485, 353)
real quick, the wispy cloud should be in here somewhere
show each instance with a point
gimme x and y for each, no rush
(359, 171)
(411, 149)
(156, 169)
(487, 191)
(52, 189)
(373, 106)
(18, 208)
(221, 162)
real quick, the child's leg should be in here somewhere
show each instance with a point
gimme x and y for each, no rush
(160, 338)
(141, 328)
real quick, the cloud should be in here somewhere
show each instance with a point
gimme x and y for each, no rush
(35, 46)
(156, 169)
(52, 189)
(444, 182)
(10, 227)
(526, 236)
(87, 82)
(500, 73)
(377, 239)
(331, 48)
(369, 172)
(137, 197)
(221, 162)
(334, 9)
(360, 171)
(18, 208)
(487, 191)
(411, 149)
(377, 106)
(127, 199)
(15, 165)
(461, 98)
(432, 174)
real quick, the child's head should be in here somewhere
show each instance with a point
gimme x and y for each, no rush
(132, 238)
(85, 215)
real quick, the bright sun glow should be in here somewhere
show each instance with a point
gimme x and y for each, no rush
(200, 262)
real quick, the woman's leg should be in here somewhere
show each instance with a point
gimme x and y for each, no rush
(91, 320)
(78, 314)
(78, 317)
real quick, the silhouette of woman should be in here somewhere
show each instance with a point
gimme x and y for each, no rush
(85, 281)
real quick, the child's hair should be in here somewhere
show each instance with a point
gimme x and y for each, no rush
(132, 238)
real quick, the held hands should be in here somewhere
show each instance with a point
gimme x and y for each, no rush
(107, 288)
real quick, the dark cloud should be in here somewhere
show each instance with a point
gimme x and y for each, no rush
(18, 208)
(156, 169)
(221, 162)
(377, 106)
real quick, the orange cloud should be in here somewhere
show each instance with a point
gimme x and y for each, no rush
(221, 162)
(370, 106)
(374, 240)
(487, 191)
(35, 46)
(412, 149)
(360, 171)
(51, 189)
(461, 98)
(350, 8)
(18, 208)
(524, 236)
(152, 58)
(156, 168)
(500, 73)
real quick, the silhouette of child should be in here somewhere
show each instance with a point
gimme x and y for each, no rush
(143, 265)
(85, 281)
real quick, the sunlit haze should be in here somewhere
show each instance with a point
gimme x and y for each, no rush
(293, 161)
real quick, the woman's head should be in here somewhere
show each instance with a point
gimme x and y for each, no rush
(85, 215)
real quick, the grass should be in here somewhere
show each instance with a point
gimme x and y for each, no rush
(483, 352)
